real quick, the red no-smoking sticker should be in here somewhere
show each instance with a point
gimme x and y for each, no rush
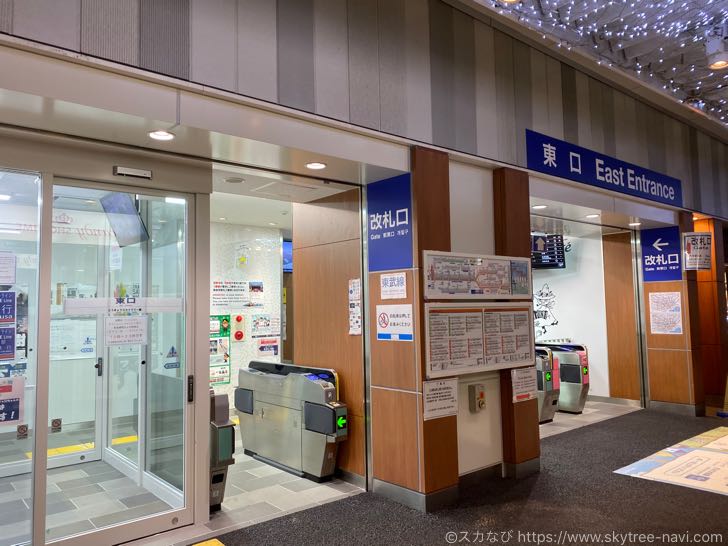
(383, 320)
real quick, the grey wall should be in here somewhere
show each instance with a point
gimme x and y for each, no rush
(414, 68)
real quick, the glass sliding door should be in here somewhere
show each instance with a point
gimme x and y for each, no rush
(19, 258)
(118, 410)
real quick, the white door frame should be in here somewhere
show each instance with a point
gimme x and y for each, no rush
(143, 526)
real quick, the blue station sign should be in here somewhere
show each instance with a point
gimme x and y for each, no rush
(559, 158)
(661, 254)
(389, 223)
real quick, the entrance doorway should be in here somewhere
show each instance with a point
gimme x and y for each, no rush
(94, 338)
(284, 252)
(587, 313)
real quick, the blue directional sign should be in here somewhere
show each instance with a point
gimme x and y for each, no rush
(7, 306)
(389, 223)
(565, 160)
(661, 254)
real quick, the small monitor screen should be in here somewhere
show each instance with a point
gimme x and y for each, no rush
(288, 256)
(124, 218)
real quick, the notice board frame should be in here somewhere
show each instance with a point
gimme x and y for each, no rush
(484, 307)
(429, 294)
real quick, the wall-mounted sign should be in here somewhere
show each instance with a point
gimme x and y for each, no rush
(470, 337)
(7, 343)
(524, 384)
(7, 307)
(661, 254)
(439, 398)
(394, 323)
(450, 275)
(697, 253)
(393, 286)
(565, 160)
(547, 251)
(666, 313)
(389, 223)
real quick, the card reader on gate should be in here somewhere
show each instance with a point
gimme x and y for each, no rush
(291, 417)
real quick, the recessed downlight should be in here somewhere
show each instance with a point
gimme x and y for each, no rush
(635, 224)
(539, 207)
(315, 165)
(222, 218)
(592, 216)
(161, 134)
(4, 197)
(272, 224)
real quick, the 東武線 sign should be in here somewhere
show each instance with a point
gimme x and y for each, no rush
(565, 160)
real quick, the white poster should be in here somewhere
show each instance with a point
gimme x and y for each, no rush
(456, 339)
(395, 323)
(393, 286)
(354, 307)
(125, 330)
(440, 398)
(697, 253)
(524, 384)
(256, 294)
(7, 268)
(72, 339)
(12, 393)
(115, 258)
(264, 325)
(666, 313)
(227, 294)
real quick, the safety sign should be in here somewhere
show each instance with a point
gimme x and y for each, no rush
(394, 323)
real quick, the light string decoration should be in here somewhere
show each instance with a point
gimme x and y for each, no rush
(662, 42)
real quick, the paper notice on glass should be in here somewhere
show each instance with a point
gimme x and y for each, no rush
(666, 313)
(7, 268)
(524, 384)
(125, 330)
(355, 307)
(115, 258)
(393, 286)
(697, 253)
(440, 398)
(12, 394)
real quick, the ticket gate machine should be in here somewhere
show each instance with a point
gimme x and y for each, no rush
(573, 374)
(547, 377)
(291, 417)
(222, 447)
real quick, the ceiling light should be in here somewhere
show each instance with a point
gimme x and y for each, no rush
(539, 207)
(222, 218)
(272, 224)
(4, 197)
(89, 201)
(161, 135)
(10, 231)
(315, 165)
(635, 224)
(234, 180)
(592, 216)
(174, 200)
(715, 47)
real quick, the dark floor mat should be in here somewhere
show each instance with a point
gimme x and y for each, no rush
(576, 492)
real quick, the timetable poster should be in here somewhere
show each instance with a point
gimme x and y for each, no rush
(471, 338)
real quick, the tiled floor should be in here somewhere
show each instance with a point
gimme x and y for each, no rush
(80, 498)
(593, 413)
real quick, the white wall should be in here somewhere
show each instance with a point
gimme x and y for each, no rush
(480, 442)
(471, 209)
(264, 263)
(579, 305)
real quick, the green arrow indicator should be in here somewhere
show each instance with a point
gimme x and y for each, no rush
(548, 376)
(586, 370)
(341, 422)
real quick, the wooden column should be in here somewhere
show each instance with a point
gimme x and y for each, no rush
(675, 375)
(409, 452)
(713, 343)
(521, 442)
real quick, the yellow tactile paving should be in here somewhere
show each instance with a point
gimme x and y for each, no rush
(211, 542)
(65, 450)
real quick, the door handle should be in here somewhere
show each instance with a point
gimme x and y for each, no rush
(99, 366)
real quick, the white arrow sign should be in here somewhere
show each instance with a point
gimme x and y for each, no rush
(658, 245)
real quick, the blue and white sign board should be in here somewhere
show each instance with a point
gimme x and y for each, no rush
(661, 254)
(559, 158)
(389, 215)
(395, 323)
(7, 307)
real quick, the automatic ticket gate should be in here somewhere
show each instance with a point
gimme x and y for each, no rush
(547, 377)
(291, 417)
(573, 374)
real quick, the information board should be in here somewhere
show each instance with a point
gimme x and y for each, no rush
(439, 398)
(547, 251)
(470, 337)
(455, 276)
